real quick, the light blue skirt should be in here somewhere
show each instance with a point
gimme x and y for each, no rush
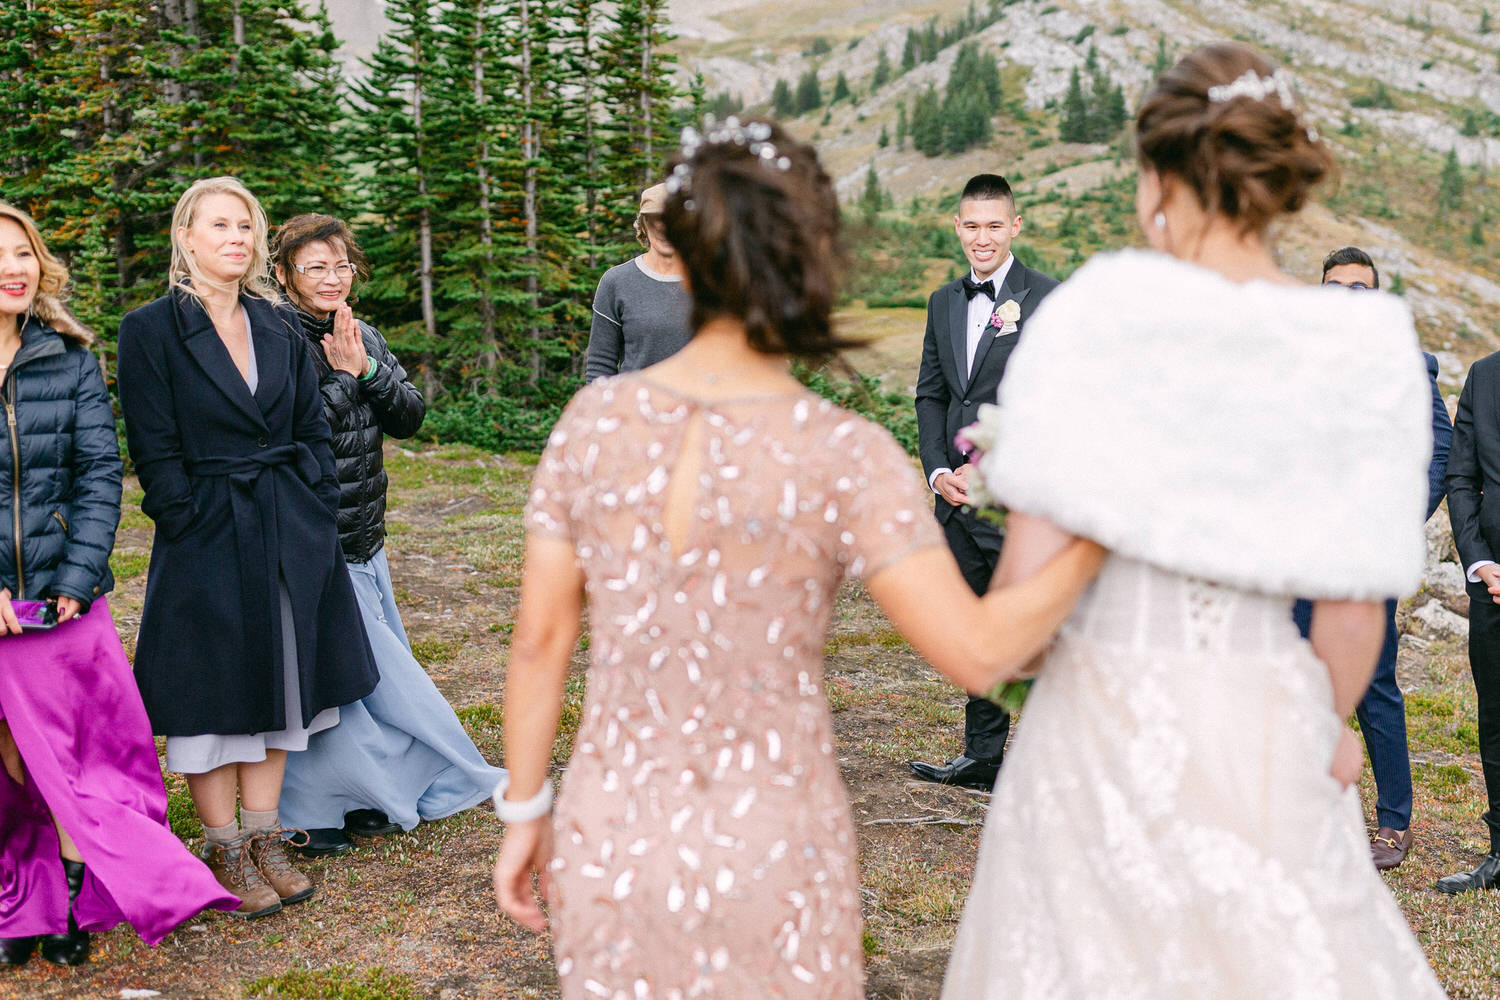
(400, 749)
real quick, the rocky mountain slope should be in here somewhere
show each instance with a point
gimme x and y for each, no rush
(1436, 70)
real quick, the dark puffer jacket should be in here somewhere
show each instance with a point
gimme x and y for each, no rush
(57, 426)
(361, 412)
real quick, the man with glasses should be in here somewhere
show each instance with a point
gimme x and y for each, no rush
(1382, 711)
(642, 314)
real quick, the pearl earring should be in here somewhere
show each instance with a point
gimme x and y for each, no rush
(1159, 220)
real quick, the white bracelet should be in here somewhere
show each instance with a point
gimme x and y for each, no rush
(535, 807)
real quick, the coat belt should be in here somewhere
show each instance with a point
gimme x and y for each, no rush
(252, 501)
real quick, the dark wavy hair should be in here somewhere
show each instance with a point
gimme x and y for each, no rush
(761, 244)
(1247, 158)
(309, 227)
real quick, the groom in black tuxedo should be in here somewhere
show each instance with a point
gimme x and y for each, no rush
(972, 326)
(1474, 508)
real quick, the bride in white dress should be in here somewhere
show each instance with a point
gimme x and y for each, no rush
(1176, 819)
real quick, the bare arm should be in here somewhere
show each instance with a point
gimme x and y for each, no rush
(1029, 543)
(977, 642)
(1346, 635)
(546, 631)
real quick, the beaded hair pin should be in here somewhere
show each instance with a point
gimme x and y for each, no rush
(754, 136)
(1259, 88)
(1251, 84)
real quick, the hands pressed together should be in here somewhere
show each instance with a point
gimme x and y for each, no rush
(344, 347)
(954, 486)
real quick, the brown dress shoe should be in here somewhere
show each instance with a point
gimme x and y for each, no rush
(231, 865)
(1389, 847)
(275, 863)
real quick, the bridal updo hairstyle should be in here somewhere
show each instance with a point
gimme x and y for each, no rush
(1248, 158)
(759, 237)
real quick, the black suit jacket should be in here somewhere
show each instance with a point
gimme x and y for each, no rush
(1473, 478)
(947, 398)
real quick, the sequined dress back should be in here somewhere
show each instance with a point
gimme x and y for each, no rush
(704, 846)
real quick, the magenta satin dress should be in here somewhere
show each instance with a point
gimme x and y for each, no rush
(76, 715)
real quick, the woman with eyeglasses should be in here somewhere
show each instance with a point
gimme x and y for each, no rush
(400, 755)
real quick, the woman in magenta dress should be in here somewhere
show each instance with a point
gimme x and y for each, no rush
(708, 508)
(84, 842)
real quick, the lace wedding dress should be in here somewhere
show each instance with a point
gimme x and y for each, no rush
(1165, 825)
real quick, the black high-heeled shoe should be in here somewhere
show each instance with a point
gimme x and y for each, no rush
(16, 951)
(71, 948)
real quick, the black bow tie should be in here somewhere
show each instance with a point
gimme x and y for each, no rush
(973, 288)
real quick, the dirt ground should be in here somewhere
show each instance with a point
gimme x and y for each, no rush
(412, 916)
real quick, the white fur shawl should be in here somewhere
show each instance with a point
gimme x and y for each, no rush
(1269, 437)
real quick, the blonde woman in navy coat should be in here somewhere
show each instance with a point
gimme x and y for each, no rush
(251, 636)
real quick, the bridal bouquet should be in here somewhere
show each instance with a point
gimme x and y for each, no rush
(974, 440)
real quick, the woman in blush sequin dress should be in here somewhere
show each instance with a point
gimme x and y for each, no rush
(708, 509)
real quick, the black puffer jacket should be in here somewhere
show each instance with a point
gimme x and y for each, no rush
(361, 412)
(58, 429)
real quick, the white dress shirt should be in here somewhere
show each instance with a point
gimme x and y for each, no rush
(981, 309)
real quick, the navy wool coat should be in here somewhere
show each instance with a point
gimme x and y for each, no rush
(242, 490)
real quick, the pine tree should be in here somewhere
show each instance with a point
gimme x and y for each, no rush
(901, 127)
(783, 104)
(882, 70)
(1163, 60)
(1075, 111)
(391, 121)
(927, 123)
(885, 138)
(638, 87)
(1450, 184)
(872, 197)
(909, 51)
(841, 90)
(809, 96)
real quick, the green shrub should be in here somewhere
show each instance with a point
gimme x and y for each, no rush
(517, 420)
(865, 395)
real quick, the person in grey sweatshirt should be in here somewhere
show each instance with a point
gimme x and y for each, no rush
(642, 313)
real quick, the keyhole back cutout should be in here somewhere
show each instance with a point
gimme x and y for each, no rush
(682, 485)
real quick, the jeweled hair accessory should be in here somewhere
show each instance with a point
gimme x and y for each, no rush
(1251, 84)
(1259, 88)
(754, 136)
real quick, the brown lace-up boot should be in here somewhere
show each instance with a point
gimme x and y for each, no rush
(232, 866)
(275, 863)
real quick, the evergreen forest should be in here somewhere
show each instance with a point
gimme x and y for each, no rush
(489, 154)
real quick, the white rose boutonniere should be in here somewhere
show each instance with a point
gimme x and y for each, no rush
(1007, 314)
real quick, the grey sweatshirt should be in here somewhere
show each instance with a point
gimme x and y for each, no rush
(640, 318)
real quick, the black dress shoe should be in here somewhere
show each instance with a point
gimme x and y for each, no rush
(964, 771)
(369, 823)
(324, 842)
(1486, 876)
(16, 951)
(71, 948)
